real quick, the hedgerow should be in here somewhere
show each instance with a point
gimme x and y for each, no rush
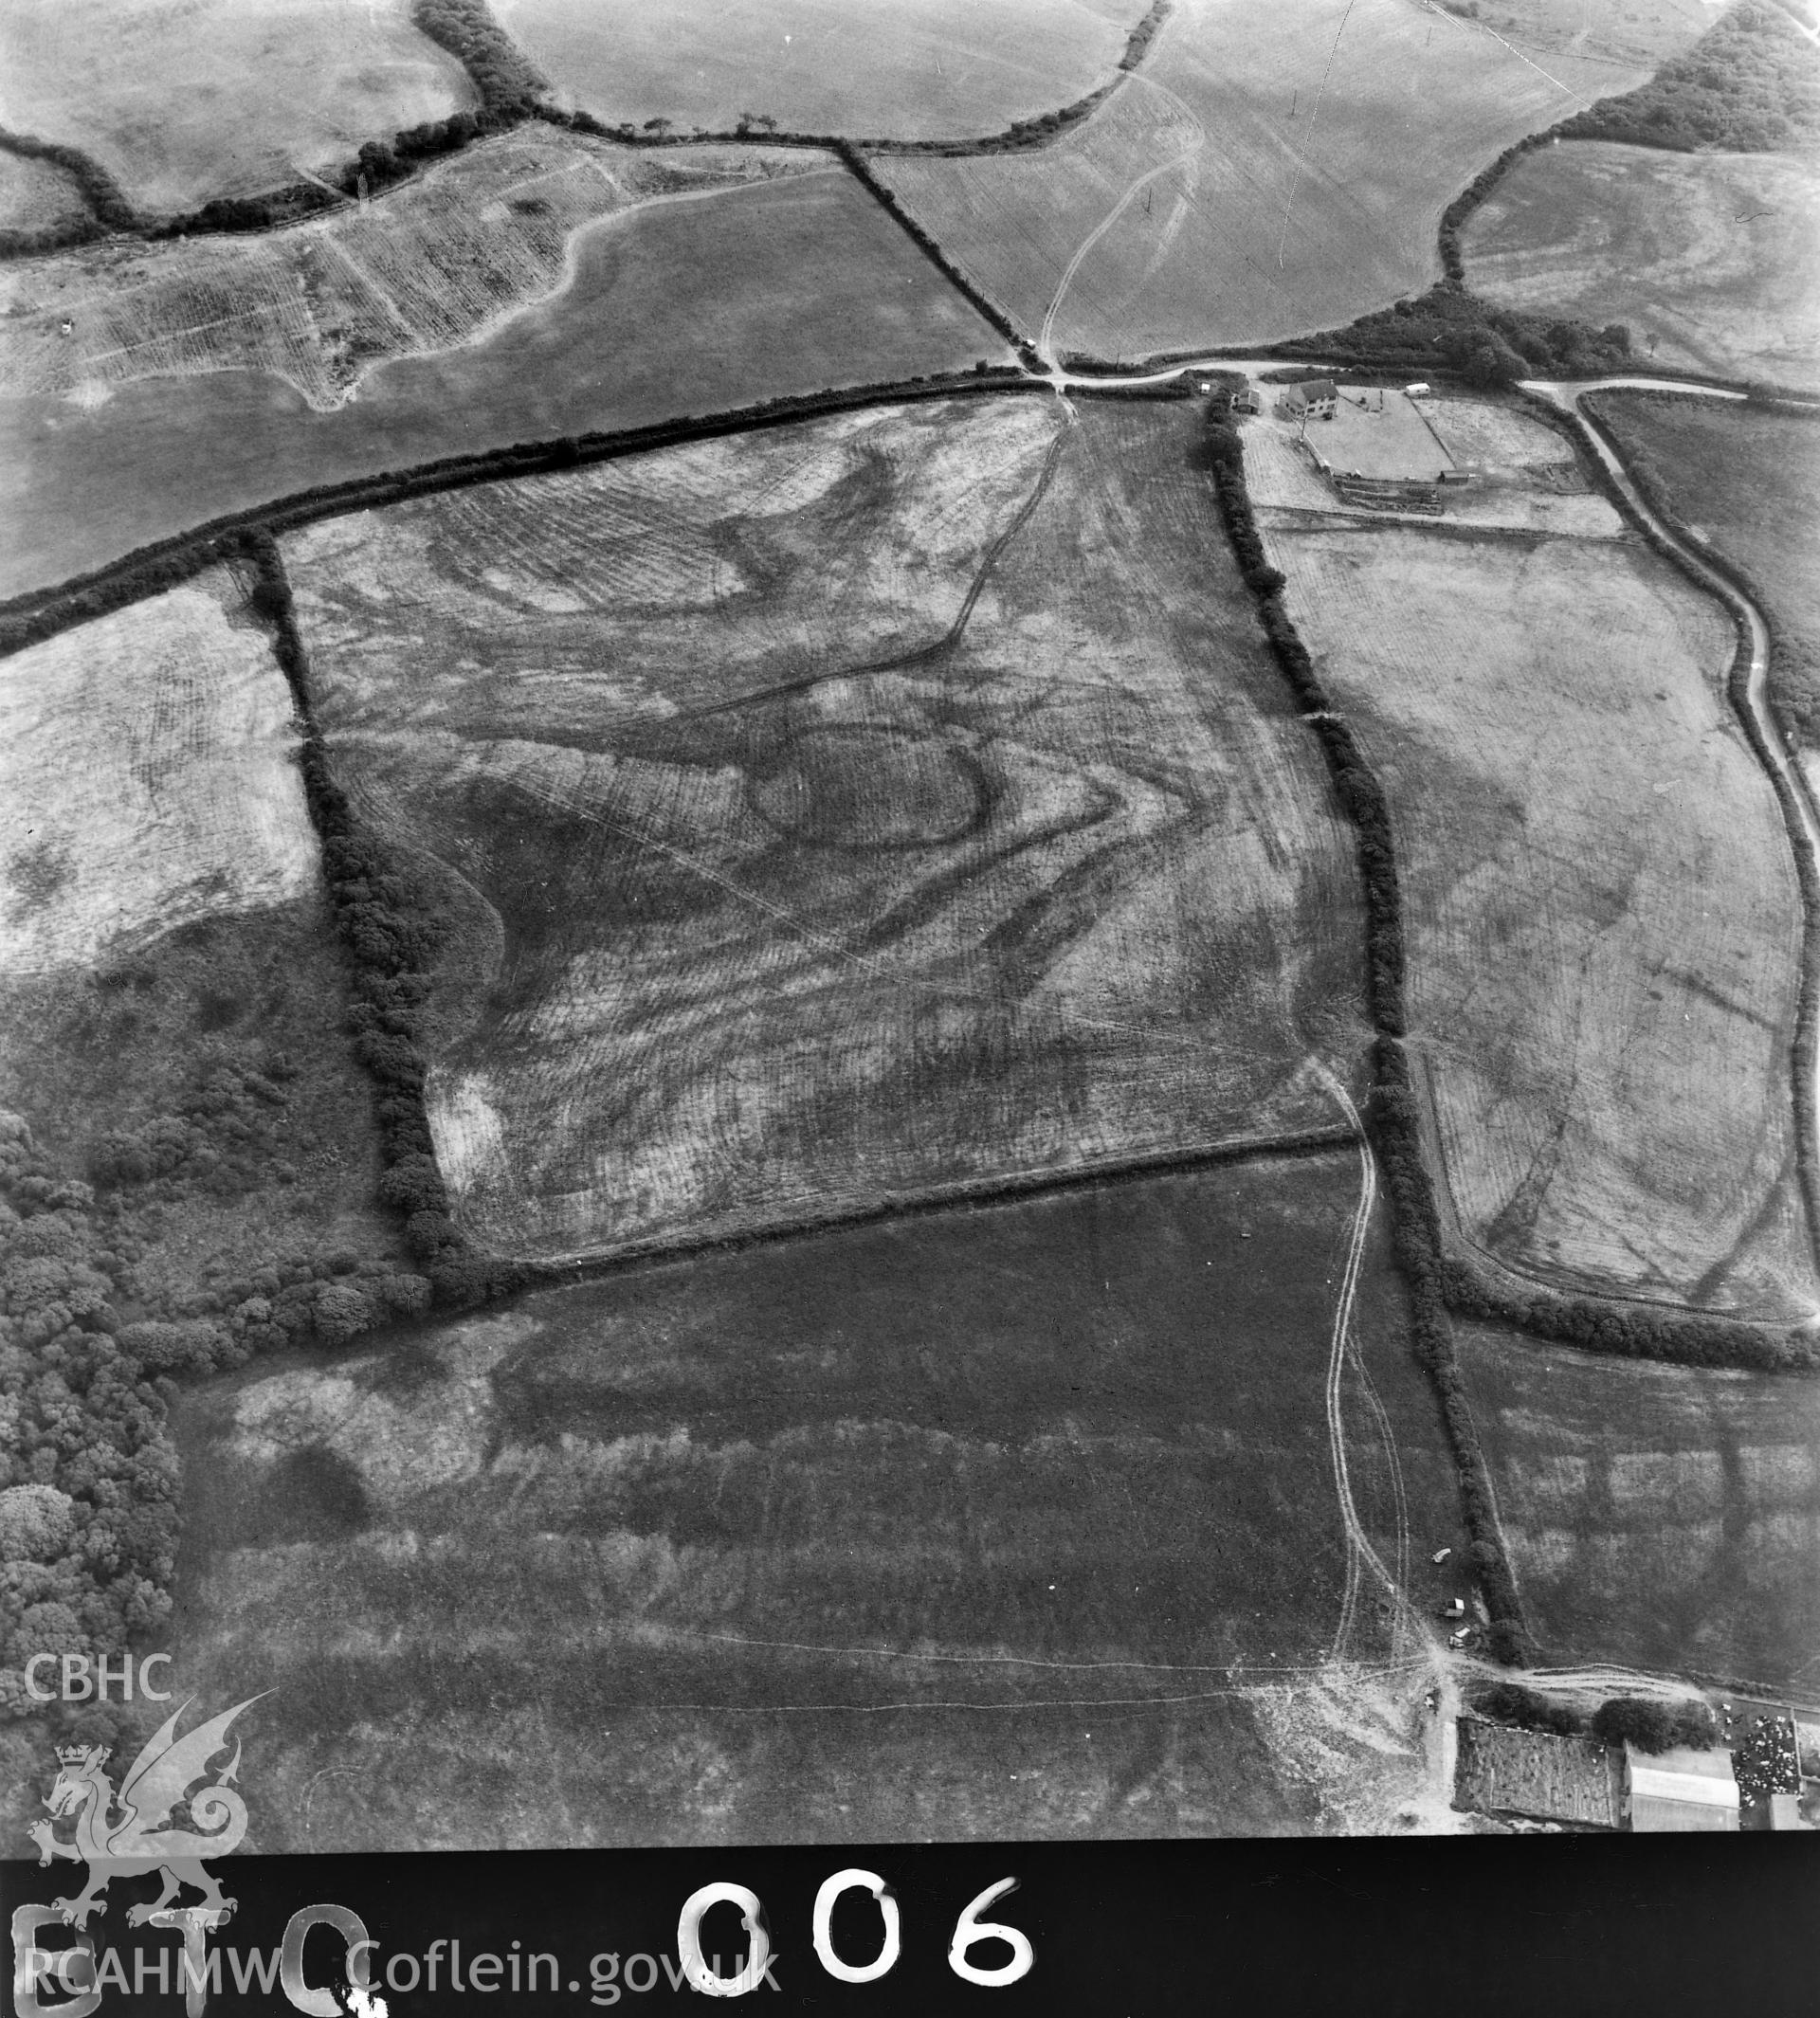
(510, 87)
(107, 202)
(1391, 1113)
(30, 618)
(856, 165)
(1449, 329)
(389, 952)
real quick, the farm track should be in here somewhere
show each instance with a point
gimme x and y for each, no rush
(1749, 689)
(923, 655)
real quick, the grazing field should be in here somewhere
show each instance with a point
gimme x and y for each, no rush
(35, 194)
(1706, 258)
(1643, 31)
(1662, 1516)
(1245, 193)
(148, 774)
(789, 286)
(1016, 1520)
(218, 97)
(1604, 925)
(879, 807)
(914, 70)
(1750, 482)
(1524, 476)
(436, 264)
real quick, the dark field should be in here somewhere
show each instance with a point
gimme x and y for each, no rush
(881, 807)
(786, 287)
(118, 1044)
(1657, 1515)
(1008, 1520)
(1750, 482)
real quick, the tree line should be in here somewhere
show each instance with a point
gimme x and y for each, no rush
(1750, 84)
(1390, 1112)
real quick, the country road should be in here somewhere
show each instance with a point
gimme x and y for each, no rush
(1795, 793)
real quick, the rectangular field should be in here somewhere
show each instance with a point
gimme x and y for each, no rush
(914, 70)
(149, 776)
(1267, 171)
(788, 286)
(219, 98)
(881, 806)
(1661, 1517)
(1604, 925)
(1010, 1521)
(1706, 258)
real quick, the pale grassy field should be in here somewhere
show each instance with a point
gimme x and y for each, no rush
(801, 895)
(219, 98)
(1246, 189)
(899, 69)
(437, 263)
(35, 193)
(1604, 923)
(1710, 255)
(147, 770)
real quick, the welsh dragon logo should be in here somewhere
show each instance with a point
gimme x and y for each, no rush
(129, 1834)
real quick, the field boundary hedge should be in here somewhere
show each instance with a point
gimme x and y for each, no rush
(1020, 136)
(36, 614)
(103, 199)
(859, 168)
(386, 952)
(1392, 1115)
(981, 1194)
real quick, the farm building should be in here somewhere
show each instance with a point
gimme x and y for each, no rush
(1318, 399)
(1575, 1781)
(1679, 1790)
(1246, 401)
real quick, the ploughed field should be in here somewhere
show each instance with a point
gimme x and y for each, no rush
(1604, 924)
(1709, 256)
(218, 97)
(148, 775)
(891, 805)
(1661, 1517)
(1014, 1520)
(792, 284)
(1254, 179)
(1749, 481)
(917, 69)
